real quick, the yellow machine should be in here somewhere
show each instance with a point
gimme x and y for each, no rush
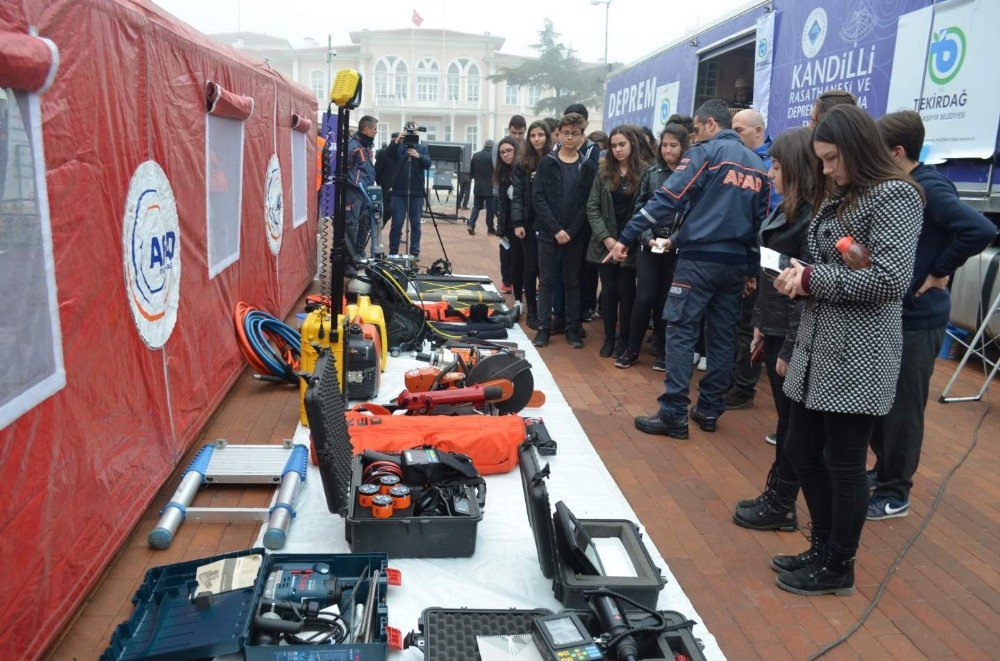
(371, 314)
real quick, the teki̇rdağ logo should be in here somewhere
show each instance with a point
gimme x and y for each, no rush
(664, 111)
(946, 55)
(762, 48)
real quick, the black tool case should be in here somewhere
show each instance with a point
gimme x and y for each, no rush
(568, 586)
(445, 634)
(168, 624)
(401, 536)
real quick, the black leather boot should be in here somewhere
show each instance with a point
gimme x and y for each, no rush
(831, 573)
(772, 476)
(776, 512)
(817, 544)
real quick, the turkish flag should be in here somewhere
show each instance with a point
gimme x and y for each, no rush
(417, 18)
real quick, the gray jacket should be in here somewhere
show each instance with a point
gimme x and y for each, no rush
(847, 352)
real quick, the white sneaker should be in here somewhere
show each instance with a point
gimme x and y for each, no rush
(695, 358)
(703, 364)
(772, 438)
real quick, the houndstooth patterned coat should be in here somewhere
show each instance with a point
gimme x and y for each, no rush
(850, 339)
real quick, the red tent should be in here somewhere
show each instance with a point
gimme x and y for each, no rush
(179, 181)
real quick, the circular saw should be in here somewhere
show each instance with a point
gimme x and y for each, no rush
(512, 368)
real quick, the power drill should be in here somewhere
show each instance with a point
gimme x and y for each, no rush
(301, 581)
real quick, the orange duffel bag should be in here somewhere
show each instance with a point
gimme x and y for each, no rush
(491, 442)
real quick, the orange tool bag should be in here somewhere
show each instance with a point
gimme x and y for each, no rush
(490, 443)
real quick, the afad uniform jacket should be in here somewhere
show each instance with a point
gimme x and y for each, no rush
(725, 189)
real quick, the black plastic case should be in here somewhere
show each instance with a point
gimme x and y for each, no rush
(400, 536)
(408, 536)
(568, 586)
(450, 634)
(167, 624)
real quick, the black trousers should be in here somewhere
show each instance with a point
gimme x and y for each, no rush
(529, 248)
(654, 272)
(617, 299)
(386, 204)
(548, 253)
(512, 263)
(745, 374)
(828, 451)
(463, 194)
(899, 435)
(782, 465)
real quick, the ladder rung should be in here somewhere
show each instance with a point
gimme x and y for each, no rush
(228, 514)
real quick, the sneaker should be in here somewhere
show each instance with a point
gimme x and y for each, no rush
(660, 365)
(872, 479)
(772, 439)
(607, 348)
(703, 364)
(574, 338)
(736, 400)
(619, 349)
(506, 289)
(587, 315)
(472, 231)
(627, 359)
(542, 338)
(491, 232)
(653, 424)
(886, 507)
(705, 422)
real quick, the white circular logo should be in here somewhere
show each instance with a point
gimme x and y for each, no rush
(814, 32)
(274, 208)
(151, 247)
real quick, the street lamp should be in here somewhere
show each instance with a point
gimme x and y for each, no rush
(607, 7)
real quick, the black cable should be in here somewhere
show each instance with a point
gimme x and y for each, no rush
(906, 547)
(320, 630)
(640, 631)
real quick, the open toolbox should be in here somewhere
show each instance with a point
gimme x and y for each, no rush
(407, 532)
(556, 559)
(445, 634)
(170, 622)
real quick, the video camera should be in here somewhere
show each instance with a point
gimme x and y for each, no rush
(411, 136)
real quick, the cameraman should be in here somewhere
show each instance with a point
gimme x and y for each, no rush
(407, 163)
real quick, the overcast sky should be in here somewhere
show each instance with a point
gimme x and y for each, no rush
(636, 27)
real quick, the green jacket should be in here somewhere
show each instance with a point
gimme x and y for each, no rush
(601, 216)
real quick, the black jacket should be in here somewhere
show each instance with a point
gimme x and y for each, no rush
(546, 196)
(504, 206)
(383, 167)
(652, 178)
(952, 232)
(481, 170)
(408, 173)
(777, 315)
(522, 212)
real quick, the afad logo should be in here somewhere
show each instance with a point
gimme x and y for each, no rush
(151, 254)
(761, 49)
(664, 110)
(274, 209)
(814, 32)
(946, 55)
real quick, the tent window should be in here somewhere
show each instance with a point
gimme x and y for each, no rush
(30, 335)
(299, 183)
(224, 171)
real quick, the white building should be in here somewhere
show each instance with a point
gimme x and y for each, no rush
(436, 78)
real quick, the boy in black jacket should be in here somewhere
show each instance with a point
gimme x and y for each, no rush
(952, 233)
(559, 195)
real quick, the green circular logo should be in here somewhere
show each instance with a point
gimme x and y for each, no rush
(946, 55)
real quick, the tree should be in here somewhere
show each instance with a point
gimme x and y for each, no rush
(559, 71)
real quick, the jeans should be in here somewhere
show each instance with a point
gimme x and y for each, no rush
(700, 290)
(654, 272)
(401, 208)
(548, 257)
(782, 465)
(828, 451)
(617, 299)
(479, 202)
(899, 435)
(745, 374)
(358, 222)
(463, 194)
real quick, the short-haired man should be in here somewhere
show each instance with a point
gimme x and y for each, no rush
(723, 187)
(516, 127)
(952, 232)
(360, 175)
(559, 194)
(408, 163)
(481, 171)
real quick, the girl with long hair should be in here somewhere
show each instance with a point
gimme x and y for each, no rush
(776, 320)
(842, 376)
(537, 144)
(655, 270)
(608, 210)
(503, 184)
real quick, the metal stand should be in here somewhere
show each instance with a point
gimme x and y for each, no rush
(976, 346)
(283, 465)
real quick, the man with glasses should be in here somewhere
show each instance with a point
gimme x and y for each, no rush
(559, 194)
(360, 175)
(723, 190)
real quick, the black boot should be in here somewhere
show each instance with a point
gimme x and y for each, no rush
(531, 319)
(775, 513)
(831, 573)
(542, 338)
(608, 347)
(817, 545)
(772, 476)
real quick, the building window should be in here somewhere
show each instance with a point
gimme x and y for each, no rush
(472, 83)
(454, 72)
(432, 132)
(391, 78)
(381, 79)
(510, 94)
(383, 132)
(299, 183)
(402, 81)
(30, 334)
(224, 172)
(428, 77)
(447, 132)
(317, 82)
(472, 136)
(534, 95)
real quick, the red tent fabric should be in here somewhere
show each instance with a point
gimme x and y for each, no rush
(78, 469)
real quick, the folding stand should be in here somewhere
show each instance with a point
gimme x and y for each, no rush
(978, 346)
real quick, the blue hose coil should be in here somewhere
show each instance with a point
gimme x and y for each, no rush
(297, 462)
(200, 463)
(255, 324)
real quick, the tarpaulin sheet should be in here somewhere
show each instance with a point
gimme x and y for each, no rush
(128, 105)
